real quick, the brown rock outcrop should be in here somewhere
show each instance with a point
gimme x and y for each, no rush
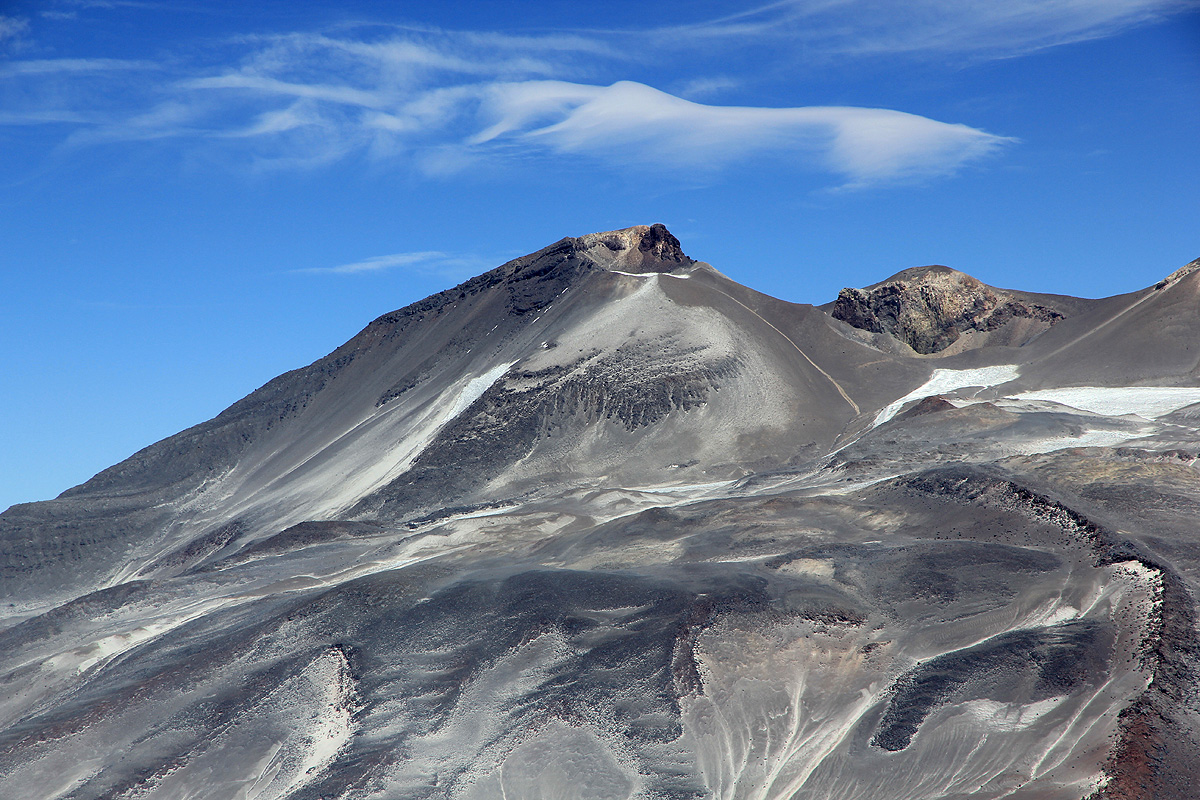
(929, 308)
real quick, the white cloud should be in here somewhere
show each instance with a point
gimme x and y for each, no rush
(976, 28)
(441, 124)
(441, 101)
(297, 115)
(702, 87)
(52, 66)
(43, 116)
(431, 261)
(630, 121)
(345, 95)
(454, 126)
(116, 4)
(168, 120)
(12, 29)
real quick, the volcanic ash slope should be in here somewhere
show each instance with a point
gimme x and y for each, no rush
(602, 523)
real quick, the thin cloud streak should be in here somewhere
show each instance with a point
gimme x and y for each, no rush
(980, 29)
(47, 116)
(52, 66)
(700, 87)
(12, 27)
(428, 262)
(378, 263)
(344, 95)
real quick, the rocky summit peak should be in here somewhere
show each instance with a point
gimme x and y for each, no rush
(641, 248)
(935, 275)
(1179, 274)
(929, 308)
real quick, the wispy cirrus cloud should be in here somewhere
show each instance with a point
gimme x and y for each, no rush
(427, 262)
(974, 28)
(706, 86)
(426, 104)
(44, 116)
(115, 4)
(266, 85)
(441, 101)
(61, 66)
(12, 28)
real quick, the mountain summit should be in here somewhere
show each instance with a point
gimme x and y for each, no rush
(603, 523)
(640, 249)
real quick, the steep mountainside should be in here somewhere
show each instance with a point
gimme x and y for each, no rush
(602, 523)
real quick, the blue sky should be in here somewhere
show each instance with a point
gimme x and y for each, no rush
(197, 196)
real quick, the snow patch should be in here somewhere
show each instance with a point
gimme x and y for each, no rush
(686, 488)
(948, 380)
(1150, 402)
(370, 454)
(475, 389)
(650, 274)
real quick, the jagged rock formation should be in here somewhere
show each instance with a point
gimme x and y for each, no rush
(929, 308)
(638, 249)
(601, 523)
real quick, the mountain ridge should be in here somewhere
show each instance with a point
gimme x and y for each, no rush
(602, 512)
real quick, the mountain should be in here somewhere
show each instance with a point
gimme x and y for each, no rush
(603, 523)
(938, 310)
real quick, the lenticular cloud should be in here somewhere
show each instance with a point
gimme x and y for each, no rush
(632, 120)
(399, 102)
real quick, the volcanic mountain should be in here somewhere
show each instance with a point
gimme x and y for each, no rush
(603, 523)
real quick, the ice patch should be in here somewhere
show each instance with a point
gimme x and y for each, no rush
(650, 274)
(947, 380)
(1149, 402)
(475, 389)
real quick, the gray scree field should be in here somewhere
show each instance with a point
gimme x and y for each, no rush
(602, 523)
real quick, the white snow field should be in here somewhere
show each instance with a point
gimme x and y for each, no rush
(949, 380)
(1148, 402)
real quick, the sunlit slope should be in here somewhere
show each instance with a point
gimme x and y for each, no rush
(602, 523)
(560, 366)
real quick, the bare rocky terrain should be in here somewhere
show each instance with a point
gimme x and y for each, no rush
(602, 523)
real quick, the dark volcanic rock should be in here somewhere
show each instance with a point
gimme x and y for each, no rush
(1034, 664)
(930, 405)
